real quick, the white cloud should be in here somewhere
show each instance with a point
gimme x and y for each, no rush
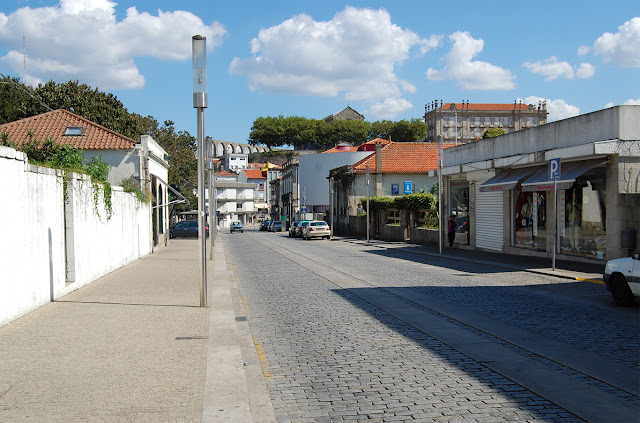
(630, 102)
(81, 39)
(352, 54)
(621, 48)
(389, 108)
(585, 70)
(558, 109)
(552, 69)
(471, 75)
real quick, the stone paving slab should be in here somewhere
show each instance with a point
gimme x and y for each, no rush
(129, 347)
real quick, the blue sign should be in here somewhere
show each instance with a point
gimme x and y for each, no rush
(395, 189)
(408, 187)
(554, 169)
(303, 210)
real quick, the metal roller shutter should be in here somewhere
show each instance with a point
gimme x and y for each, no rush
(489, 225)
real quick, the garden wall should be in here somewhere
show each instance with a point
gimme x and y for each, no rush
(36, 264)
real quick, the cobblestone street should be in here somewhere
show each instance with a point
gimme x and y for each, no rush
(335, 348)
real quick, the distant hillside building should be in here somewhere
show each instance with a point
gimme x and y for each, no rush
(346, 114)
(466, 122)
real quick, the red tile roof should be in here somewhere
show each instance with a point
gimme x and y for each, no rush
(404, 157)
(341, 149)
(54, 124)
(254, 174)
(371, 145)
(367, 146)
(225, 173)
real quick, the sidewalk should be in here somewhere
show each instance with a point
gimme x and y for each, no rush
(133, 346)
(585, 272)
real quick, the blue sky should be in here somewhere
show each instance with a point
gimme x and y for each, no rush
(313, 58)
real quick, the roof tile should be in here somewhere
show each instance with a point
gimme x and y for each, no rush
(404, 157)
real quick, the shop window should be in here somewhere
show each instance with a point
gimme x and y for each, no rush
(583, 227)
(459, 201)
(530, 215)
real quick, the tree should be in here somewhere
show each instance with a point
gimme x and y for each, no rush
(183, 164)
(400, 131)
(493, 132)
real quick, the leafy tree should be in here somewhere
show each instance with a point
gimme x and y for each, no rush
(183, 163)
(15, 100)
(400, 131)
(493, 132)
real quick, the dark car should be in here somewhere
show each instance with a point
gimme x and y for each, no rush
(276, 226)
(265, 225)
(186, 229)
(294, 228)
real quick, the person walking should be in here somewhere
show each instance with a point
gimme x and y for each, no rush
(451, 229)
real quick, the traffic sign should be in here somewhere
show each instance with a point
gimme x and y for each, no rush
(303, 209)
(554, 169)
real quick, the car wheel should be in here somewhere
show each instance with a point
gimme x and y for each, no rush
(621, 292)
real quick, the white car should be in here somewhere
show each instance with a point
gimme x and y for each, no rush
(316, 229)
(622, 277)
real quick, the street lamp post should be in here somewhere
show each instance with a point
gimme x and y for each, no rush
(199, 51)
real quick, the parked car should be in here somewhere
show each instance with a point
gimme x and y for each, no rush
(300, 228)
(293, 228)
(622, 278)
(236, 227)
(265, 225)
(316, 229)
(277, 226)
(187, 229)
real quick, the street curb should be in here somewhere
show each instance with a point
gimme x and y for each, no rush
(475, 261)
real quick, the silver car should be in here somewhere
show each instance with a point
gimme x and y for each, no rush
(316, 229)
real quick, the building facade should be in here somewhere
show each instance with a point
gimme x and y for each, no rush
(465, 122)
(582, 212)
(290, 191)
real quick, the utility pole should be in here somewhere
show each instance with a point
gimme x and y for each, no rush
(367, 173)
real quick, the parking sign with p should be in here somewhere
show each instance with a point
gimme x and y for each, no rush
(554, 169)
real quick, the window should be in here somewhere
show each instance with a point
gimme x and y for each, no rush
(73, 131)
(530, 221)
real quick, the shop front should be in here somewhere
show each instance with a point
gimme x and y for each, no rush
(581, 211)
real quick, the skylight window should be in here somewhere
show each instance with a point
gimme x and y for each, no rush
(74, 131)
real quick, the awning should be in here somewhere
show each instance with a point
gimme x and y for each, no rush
(507, 179)
(571, 171)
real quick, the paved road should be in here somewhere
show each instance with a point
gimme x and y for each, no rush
(347, 332)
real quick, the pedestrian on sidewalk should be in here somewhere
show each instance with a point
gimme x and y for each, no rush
(451, 229)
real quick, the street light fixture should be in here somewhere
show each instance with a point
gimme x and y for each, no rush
(199, 51)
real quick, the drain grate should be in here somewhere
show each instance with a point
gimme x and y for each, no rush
(241, 319)
(189, 338)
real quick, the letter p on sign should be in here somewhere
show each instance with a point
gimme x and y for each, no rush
(554, 169)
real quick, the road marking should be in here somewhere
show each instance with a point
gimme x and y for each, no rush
(590, 280)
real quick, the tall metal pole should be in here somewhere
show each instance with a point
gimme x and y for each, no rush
(555, 235)
(212, 211)
(331, 205)
(439, 141)
(440, 219)
(199, 50)
(367, 173)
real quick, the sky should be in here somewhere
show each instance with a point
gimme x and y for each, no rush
(311, 58)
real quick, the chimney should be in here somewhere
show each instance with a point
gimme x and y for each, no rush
(378, 157)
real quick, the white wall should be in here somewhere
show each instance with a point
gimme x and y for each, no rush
(33, 268)
(32, 248)
(96, 244)
(314, 170)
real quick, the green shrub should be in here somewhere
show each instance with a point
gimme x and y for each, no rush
(97, 169)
